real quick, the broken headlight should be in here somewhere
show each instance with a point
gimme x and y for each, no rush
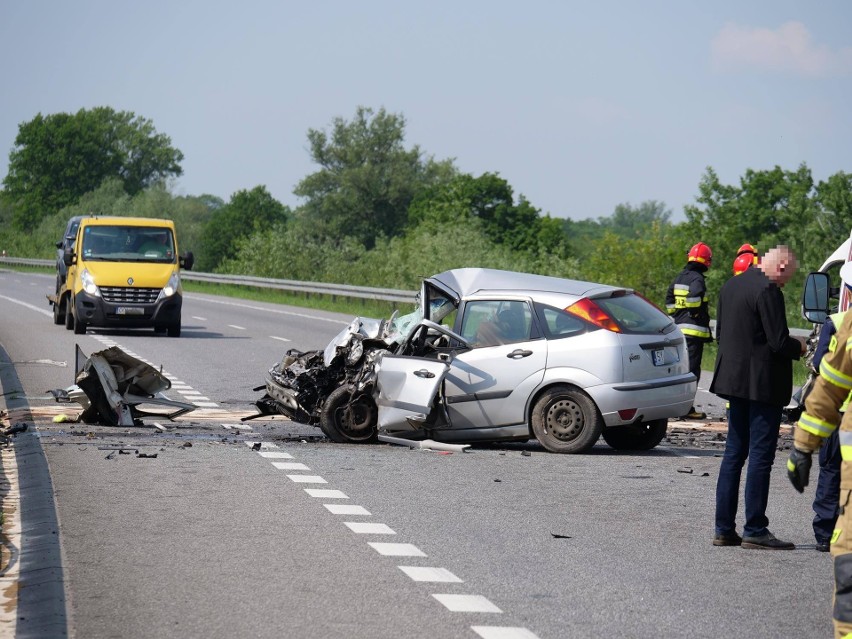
(356, 349)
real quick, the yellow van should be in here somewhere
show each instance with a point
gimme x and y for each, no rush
(122, 272)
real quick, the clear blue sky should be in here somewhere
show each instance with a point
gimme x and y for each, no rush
(580, 106)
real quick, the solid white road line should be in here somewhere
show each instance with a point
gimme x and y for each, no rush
(427, 573)
(503, 632)
(346, 509)
(326, 493)
(397, 550)
(466, 603)
(369, 528)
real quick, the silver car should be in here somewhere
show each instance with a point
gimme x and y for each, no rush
(497, 355)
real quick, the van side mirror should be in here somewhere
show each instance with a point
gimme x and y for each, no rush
(815, 298)
(68, 256)
(187, 260)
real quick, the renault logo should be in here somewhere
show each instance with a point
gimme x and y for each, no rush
(130, 281)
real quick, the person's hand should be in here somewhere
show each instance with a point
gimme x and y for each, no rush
(799, 469)
(803, 342)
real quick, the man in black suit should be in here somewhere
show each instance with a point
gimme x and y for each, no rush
(754, 372)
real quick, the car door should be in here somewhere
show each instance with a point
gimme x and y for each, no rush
(406, 388)
(488, 385)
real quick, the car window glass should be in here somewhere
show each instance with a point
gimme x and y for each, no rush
(495, 322)
(635, 314)
(558, 323)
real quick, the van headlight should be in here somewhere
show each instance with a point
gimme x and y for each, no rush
(88, 282)
(171, 287)
(356, 349)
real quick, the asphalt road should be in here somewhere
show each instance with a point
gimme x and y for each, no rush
(212, 538)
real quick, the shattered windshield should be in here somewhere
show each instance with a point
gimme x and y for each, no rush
(129, 244)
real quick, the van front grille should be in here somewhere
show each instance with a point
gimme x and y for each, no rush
(128, 295)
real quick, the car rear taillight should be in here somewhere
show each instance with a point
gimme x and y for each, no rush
(591, 312)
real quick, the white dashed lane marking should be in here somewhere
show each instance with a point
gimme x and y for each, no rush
(466, 603)
(239, 328)
(369, 528)
(269, 454)
(346, 509)
(397, 550)
(426, 573)
(280, 339)
(461, 603)
(503, 632)
(290, 466)
(307, 479)
(326, 493)
(200, 319)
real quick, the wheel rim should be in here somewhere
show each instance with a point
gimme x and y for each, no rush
(356, 419)
(565, 420)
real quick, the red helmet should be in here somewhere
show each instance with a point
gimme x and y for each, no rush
(700, 253)
(746, 257)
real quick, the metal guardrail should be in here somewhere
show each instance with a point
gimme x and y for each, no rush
(318, 288)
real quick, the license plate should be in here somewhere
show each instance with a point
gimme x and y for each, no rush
(659, 357)
(129, 310)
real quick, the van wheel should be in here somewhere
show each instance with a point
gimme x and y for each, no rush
(79, 326)
(58, 315)
(636, 436)
(160, 330)
(69, 317)
(566, 420)
(347, 420)
(173, 330)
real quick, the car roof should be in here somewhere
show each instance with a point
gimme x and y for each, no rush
(471, 281)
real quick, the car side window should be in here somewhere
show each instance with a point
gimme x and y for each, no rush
(559, 323)
(495, 322)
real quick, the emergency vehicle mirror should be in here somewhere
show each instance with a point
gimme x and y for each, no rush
(815, 298)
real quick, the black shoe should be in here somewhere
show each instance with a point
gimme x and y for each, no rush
(823, 546)
(731, 539)
(767, 541)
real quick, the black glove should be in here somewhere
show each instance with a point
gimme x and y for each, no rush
(799, 469)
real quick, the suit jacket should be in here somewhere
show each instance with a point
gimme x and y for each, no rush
(756, 352)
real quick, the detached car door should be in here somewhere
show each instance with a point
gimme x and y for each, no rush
(488, 385)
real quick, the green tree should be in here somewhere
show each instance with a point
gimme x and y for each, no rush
(247, 212)
(367, 177)
(628, 221)
(59, 157)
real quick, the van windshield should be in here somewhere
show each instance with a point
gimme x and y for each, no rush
(128, 244)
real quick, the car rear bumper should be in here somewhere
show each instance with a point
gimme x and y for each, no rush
(656, 399)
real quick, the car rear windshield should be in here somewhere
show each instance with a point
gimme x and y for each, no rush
(635, 314)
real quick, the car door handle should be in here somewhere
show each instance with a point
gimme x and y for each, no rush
(424, 373)
(518, 353)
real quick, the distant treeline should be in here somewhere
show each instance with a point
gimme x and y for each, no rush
(377, 212)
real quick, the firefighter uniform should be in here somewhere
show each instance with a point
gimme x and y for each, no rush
(821, 417)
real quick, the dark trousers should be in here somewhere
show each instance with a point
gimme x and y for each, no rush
(753, 435)
(826, 501)
(695, 350)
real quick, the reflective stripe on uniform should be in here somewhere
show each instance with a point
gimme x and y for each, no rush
(831, 374)
(694, 330)
(845, 445)
(816, 426)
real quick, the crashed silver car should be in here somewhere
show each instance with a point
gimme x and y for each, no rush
(497, 356)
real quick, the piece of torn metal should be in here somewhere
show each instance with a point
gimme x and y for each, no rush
(111, 386)
(425, 444)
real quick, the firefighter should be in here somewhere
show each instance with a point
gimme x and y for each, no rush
(686, 302)
(746, 257)
(820, 419)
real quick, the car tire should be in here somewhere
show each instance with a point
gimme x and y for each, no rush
(173, 330)
(69, 316)
(349, 422)
(643, 436)
(58, 316)
(79, 326)
(566, 420)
